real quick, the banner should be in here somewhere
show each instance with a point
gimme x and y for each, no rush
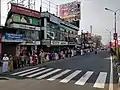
(22, 26)
(25, 19)
(70, 11)
(24, 11)
(9, 36)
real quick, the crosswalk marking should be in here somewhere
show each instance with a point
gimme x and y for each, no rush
(33, 75)
(24, 71)
(47, 74)
(58, 75)
(31, 72)
(71, 76)
(100, 82)
(40, 73)
(84, 78)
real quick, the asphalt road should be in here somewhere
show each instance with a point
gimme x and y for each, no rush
(87, 72)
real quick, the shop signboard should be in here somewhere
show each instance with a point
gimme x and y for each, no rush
(25, 11)
(22, 26)
(53, 42)
(25, 19)
(9, 36)
(72, 43)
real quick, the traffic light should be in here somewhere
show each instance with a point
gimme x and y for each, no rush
(115, 36)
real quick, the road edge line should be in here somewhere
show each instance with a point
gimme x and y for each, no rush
(111, 74)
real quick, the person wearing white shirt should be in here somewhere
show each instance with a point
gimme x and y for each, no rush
(5, 63)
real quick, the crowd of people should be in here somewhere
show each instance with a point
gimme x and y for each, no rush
(10, 62)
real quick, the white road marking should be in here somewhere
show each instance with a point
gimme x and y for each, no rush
(24, 71)
(58, 75)
(100, 82)
(47, 74)
(35, 74)
(31, 72)
(71, 76)
(84, 78)
(111, 75)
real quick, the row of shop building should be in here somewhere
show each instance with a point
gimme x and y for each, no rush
(29, 30)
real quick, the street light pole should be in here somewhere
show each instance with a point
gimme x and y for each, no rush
(115, 20)
(115, 28)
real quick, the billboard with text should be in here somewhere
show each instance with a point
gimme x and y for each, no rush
(24, 11)
(70, 11)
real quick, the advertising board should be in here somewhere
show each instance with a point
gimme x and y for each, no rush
(25, 19)
(10, 36)
(70, 11)
(24, 11)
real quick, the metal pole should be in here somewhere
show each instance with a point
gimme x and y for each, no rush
(40, 27)
(115, 29)
(110, 36)
(91, 29)
(49, 6)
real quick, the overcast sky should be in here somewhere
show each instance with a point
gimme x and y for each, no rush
(92, 13)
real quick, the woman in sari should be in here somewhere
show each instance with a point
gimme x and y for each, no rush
(10, 63)
(5, 63)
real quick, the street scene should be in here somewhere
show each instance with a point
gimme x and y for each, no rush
(59, 44)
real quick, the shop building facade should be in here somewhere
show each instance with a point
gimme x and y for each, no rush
(23, 32)
(58, 34)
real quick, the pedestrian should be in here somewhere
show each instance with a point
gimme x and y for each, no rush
(35, 58)
(18, 59)
(39, 57)
(5, 63)
(69, 53)
(81, 52)
(56, 56)
(72, 51)
(47, 56)
(30, 60)
(22, 60)
(10, 63)
(42, 57)
(15, 62)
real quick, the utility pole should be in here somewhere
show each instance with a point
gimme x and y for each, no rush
(40, 26)
(91, 29)
(115, 33)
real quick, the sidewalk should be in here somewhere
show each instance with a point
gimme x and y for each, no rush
(43, 64)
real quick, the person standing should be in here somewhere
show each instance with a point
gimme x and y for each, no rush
(35, 58)
(22, 60)
(42, 57)
(81, 52)
(5, 63)
(10, 63)
(72, 51)
(30, 60)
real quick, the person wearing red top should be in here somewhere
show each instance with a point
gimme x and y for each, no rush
(35, 59)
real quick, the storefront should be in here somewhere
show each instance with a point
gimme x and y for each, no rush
(10, 42)
(57, 33)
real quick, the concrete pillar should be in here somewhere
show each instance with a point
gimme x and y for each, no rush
(45, 28)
